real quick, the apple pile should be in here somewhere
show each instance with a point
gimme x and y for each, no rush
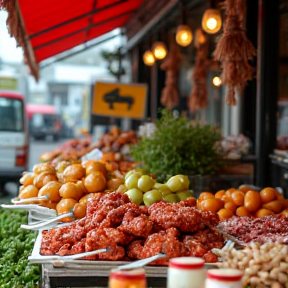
(144, 189)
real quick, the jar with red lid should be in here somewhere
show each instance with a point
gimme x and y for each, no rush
(186, 272)
(134, 278)
(224, 278)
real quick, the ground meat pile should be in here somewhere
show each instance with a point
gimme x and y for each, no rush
(262, 230)
(132, 232)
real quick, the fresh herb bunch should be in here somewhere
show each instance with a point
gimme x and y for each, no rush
(178, 147)
(15, 246)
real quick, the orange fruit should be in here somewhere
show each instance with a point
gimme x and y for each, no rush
(211, 204)
(73, 172)
(79, 210)
(244, 189)
(95, 182)
(205, 195)
(279, 196)
(275, 206)
(227, 198)
(70, 190)
(284, 213)
(111, 166)
(43, 167)
(263, 212)
(238, 198)
(65, 206)
(224, 214)
(93, 166)
(49, 204)
(114, 183)
(230, 191)
(252, 201)
(28, 192)
(27, 178)
(242, 211)
(230, 205)
(268, 194)
(52, 190)
(220, 194)
(285, 203)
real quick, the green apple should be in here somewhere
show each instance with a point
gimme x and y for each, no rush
(145, 183)
(163, 188)
(132, 181)
(174, 183)
(183, 195)
(151, 197)
(135, 195)
(122, 189)
(171, 198)
(185, 181)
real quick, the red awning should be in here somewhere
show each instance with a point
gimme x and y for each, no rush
(49, 27)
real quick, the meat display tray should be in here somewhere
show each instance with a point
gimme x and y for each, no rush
(88, 273)
(85, 273)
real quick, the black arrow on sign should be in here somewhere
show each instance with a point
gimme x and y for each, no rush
(114, 97)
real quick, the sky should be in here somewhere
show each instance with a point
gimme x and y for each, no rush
(8, 51)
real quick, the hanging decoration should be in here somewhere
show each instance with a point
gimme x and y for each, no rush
(198, 96)
(234, 50)
(169, 96)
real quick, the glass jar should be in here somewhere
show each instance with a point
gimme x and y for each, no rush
(186, 272)
(224, 278)
(134, 278)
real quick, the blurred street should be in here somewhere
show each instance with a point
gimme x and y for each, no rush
(36, 149)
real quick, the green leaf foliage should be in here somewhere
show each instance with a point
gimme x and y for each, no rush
(179, 147)
(16, 245)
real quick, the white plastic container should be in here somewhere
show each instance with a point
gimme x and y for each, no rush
(186, 272)
(224, 278)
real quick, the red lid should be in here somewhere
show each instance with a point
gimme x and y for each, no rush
(186, 263)
(133, 274)
(225, 274)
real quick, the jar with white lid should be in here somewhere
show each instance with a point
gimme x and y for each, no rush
(186, 272)
(224, 278)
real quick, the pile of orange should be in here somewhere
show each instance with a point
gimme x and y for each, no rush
(244, 202)
(68, 186)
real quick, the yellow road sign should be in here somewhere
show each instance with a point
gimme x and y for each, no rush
(119, 100)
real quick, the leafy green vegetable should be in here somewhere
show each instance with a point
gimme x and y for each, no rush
(178, 147)
(15, 246)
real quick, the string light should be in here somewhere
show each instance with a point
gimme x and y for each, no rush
(211, 21)
(184, 35)
(216, 81)
(148, 58)
(159, 50)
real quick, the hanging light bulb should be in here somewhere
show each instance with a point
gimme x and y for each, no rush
(148, 58)
(216, 81)
(211, 21)
(159, 50)
(200, 38)
(184, 35)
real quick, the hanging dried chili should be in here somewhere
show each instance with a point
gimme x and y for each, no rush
(234, 50)
(169, 96)
(198, 96)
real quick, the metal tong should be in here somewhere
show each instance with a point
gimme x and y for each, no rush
(141, 263)
(43, 225)
(60, 260)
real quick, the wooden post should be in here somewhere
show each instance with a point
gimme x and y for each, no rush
(267, 87)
